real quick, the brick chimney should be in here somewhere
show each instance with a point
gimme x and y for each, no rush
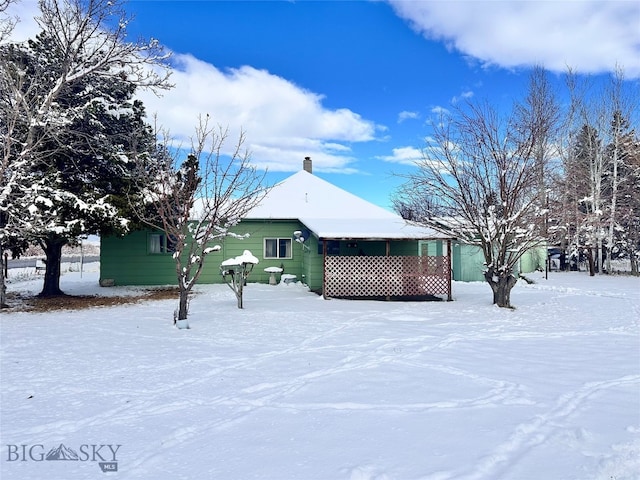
(306, 165)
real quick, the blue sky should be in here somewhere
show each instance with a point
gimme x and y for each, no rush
(354, 84)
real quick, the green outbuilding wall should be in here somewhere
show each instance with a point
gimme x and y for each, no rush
(533, 259)
(468, 262)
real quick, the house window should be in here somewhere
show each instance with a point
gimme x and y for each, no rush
(160, 243)
(277, 248)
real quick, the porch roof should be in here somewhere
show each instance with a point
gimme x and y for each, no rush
(371, 229)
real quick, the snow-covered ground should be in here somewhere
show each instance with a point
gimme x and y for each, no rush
(301, 388)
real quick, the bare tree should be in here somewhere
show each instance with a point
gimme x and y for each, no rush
(196, 201)
(622, 107)
(89, 40)
(482, 169)
(6, 23)
(416, 209)
(600, 132)
(539, 113)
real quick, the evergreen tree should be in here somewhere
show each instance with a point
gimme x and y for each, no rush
(80, 168)
(622, 189)
(83, 51)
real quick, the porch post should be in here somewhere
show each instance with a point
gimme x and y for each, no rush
(449, 265)
(388, 252)
(324, 268)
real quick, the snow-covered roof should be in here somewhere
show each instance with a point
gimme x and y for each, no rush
(331, 212)
(366, 228)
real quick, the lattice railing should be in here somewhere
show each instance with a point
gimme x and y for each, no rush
(375, 276)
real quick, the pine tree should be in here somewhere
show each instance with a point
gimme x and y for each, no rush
(81, 40)
(81, 163)
(622, 188)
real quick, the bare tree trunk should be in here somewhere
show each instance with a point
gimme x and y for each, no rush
(613, 207)
(599, 249)
(501, 285)
(592, 270)
(53, 250)
(239, 292)
(597, 173)
(623, 107)
(183, 304)
(3, 284)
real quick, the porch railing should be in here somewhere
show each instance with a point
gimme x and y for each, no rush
(386, 276)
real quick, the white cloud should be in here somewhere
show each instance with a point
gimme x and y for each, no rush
(406, 115)
(24, 11)
(464, 95)
(403, 155)
(440, 111)
(282, 121)
(591, 36)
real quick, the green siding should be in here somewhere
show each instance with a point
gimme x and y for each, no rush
(404, 248)
(313, 265)
(258, 231)
(127, 261)
(533, 260)
(468, 263)
(431, 248)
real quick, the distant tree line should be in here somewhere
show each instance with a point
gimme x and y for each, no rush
(595, 206)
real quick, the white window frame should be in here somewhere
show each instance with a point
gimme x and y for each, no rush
(277, 240)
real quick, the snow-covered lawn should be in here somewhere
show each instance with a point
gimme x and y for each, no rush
(301, 388)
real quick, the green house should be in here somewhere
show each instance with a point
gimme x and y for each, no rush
(331, 240)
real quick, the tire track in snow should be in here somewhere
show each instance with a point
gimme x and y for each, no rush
(154, 455)
(133, 411)
(267, 393)
(151, 455)
(499, 391)
(251, 363)
(536, 432)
